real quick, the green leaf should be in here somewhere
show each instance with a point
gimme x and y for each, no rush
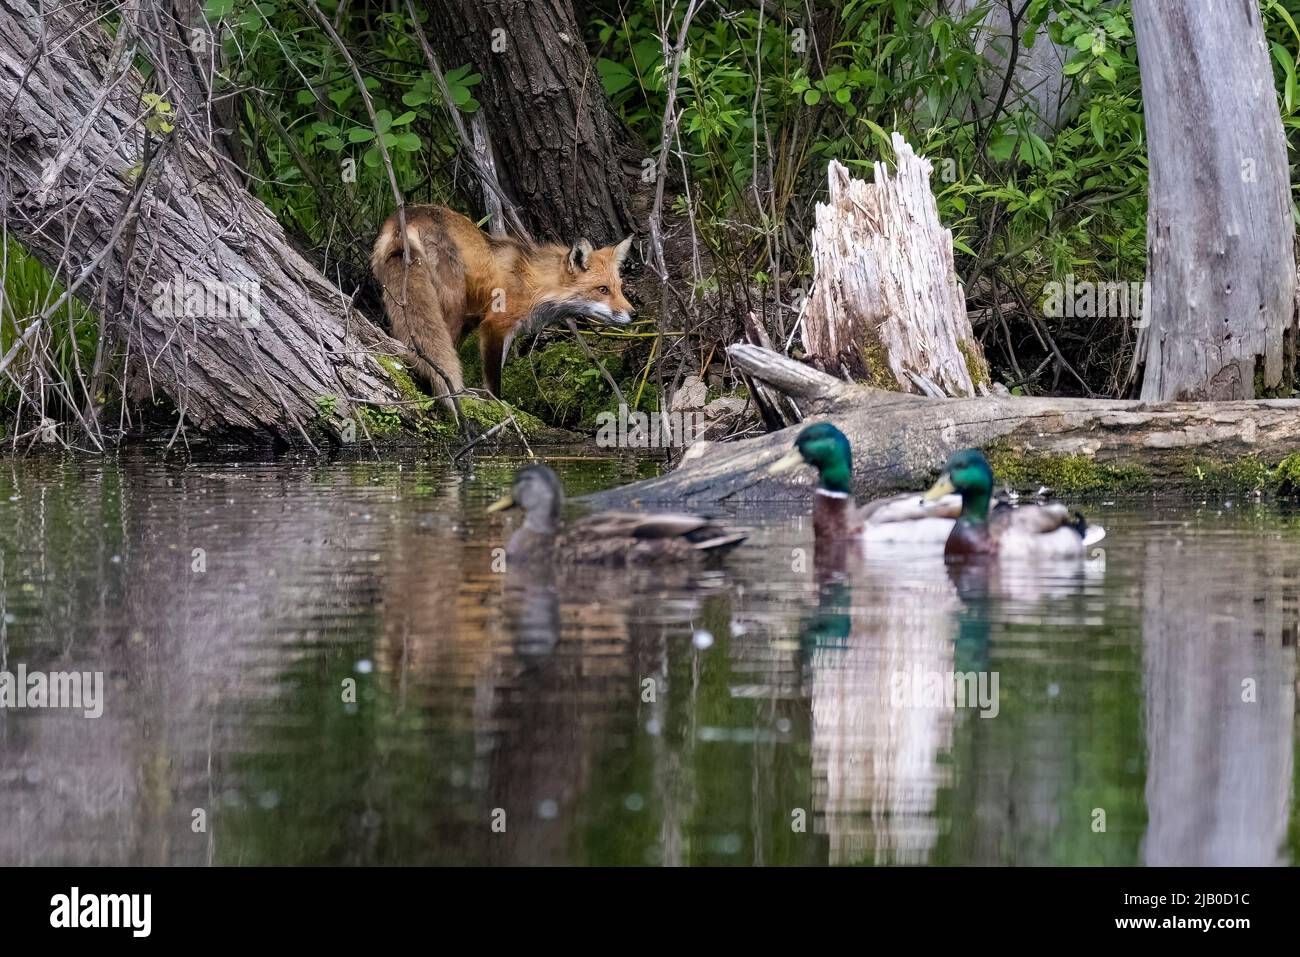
(614, 76)
(1284, 59)
(216, 9)
(1001, 147)
(1094, 119)
(404, 118)
(812, 97)
(877, 131)
(359, 134)
(1036, 153)
(462, 77)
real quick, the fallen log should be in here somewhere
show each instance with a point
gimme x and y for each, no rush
(900, 440)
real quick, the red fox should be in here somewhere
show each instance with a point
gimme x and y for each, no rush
(461, 278)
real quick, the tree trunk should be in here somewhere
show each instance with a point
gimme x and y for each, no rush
(1219, 230)
(885, 303)
(1037, 82)
(901, 441)
(560, 149)
(210, 306)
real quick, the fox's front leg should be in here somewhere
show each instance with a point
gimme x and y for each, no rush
(491, 347)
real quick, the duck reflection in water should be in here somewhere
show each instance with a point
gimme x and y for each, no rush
(877, 761)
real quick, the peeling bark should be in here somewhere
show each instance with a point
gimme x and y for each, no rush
(148, 220)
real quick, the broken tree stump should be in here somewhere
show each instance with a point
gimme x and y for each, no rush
(885, 305)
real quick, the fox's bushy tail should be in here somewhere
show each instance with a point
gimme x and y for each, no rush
(416, 305)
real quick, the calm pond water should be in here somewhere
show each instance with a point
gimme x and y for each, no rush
(1145, 706)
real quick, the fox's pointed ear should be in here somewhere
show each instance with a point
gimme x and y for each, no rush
(621, 251)
(580, 255)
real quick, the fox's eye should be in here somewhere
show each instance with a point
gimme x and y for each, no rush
(603, 290)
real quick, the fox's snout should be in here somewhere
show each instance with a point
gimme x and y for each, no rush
(598, 312)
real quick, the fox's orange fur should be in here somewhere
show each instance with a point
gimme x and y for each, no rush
(460, 279)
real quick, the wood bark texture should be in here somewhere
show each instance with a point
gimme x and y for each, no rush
(560, 149)
(901, 441)
(885, 291)
(1219, 322)
(75, 172)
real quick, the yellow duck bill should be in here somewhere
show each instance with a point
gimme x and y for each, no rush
(785, 463)
(940, 488)
(504, 502)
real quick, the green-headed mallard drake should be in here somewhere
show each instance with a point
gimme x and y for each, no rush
(606, 538)
(1026, 531)
(899, 519)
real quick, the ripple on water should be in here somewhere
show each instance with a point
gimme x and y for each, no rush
(330, 661)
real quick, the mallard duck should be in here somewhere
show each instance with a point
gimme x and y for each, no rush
(606, 538)
(1028, 531)
(899, 519)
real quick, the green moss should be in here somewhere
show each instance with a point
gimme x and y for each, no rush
(405, 382)
(426, 417)
(976, 364)
(1070, 474)
(1286, 477)
(471, 363)
(876, 362)
(559, 384)
(1074, 474)
(486, 413)
(1247, 473)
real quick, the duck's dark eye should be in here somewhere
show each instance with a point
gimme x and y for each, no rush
(603, 290)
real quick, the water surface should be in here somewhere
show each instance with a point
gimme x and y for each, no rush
(759, 714)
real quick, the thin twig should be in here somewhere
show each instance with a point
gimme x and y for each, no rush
(484, 437)
(573, 327)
